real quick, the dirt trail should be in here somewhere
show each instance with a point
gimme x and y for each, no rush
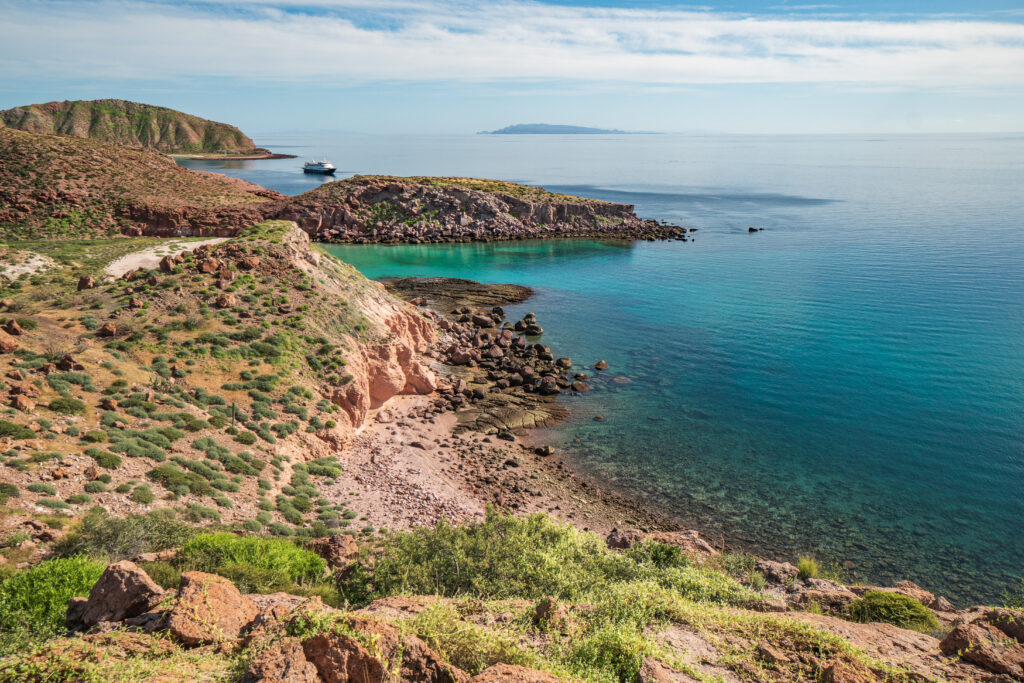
(150, 258)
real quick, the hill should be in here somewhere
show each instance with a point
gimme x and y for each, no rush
(57, 187)
(132, 124)
(551, 129)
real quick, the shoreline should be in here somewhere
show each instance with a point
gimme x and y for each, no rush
(232, 157)
(452, 464)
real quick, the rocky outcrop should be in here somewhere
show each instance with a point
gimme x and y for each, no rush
(368, 651)
(989, 638)
(283, 662)
(209, 609)
(129, 123)
(123, 591)
(367, 209)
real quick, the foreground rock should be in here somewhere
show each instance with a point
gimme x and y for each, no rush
(209, 610)
(341, 657)
(122, 591)
(993, 639)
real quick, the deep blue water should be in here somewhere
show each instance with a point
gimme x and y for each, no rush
(847, 383)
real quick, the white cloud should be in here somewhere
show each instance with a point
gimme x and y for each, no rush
(351, 41)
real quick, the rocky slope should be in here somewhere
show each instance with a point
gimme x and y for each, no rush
(252, 356)
(56, 187)
(419, 210)
(130, 123)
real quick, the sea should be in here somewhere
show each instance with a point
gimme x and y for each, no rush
(846, 382)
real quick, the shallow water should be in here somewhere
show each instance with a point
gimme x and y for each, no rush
(848, 383)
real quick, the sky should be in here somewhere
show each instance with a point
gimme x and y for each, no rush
(425, 66)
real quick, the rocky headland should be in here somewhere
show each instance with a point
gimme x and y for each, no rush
(391, 210)
(133, 124)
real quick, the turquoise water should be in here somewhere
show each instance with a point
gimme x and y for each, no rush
(848, 383)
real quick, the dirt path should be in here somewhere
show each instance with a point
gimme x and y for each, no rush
(150, 258)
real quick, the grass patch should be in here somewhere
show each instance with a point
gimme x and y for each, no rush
(893, 608)
(33, 603)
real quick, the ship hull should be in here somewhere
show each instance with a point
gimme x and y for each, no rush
(320, 171)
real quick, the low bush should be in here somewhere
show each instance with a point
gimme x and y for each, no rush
(33, 603)
(143, 494)
(164, 574)
(807, 567)
(15, 431)
(39, 487)
(213, 552)
(67, 406)
(893, 608)
(104, 459)
(119, 538)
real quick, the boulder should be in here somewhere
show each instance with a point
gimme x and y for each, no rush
(7, 345)
(283, 662)
(122, 591)
(623, 539)
(209, 610)
(342, 657)
(13, 328)
(337, 550)
(689, 541)
(107, 330)
(86, 282)
(985, 645)
(210, 265)
(23, 403)
(226, 300)
(780, 573)
(511, 673)
(249, 263)
(601, 365)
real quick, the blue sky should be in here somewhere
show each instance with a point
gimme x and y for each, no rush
(425, 66)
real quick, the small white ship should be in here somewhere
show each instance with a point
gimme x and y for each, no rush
(322, 167)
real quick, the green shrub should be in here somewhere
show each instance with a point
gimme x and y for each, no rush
(33, 603)
(105, 459)
(249, 579)
(893, 608)
(15, 431)
(807, 567)
(143, 494)
(95, 487)
(8, 491)
(120, 538)
(246, 438)
(213, 552)
(39, 487)
(79, 498)
(52, 503)
(67, 406)
(95, 436)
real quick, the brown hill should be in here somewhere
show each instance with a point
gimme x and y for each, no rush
(55, 186)
(130, 123)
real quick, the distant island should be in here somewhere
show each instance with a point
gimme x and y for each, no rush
(550, 129)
